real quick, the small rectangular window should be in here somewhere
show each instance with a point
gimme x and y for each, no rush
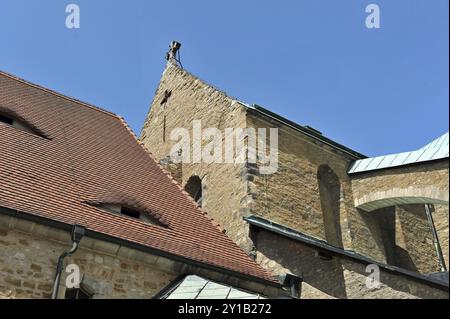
(130, 213)
(6, 119)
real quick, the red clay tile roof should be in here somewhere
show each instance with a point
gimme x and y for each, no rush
(89, 154)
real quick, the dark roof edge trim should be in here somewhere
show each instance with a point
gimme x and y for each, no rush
(277, 117)
(304, 130)
(142, 248)
(311, 241)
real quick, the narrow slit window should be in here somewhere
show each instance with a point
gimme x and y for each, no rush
(195, 189)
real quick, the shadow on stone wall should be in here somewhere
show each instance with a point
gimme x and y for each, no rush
(392, 285)
(324, 275)
(404, 235)
(373, 237)
(414, 241)
(337, 277)
(330, 196)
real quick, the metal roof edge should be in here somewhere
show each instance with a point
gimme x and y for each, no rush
(350, 172)
(306, 131)
(433, 151)
(312, 241)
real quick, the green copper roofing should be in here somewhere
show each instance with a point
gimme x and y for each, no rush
(306, 130)
(436, 150)
(195, 287)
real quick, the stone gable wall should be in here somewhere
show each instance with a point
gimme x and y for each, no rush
(311, 192)
(224, 192)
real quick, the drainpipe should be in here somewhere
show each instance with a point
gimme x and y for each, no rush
(76, 234)
(436, 243)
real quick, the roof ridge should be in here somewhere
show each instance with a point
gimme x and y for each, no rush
(60, 95)
(212, 86)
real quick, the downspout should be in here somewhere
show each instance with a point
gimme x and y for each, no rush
(434, 234)
(76, 234)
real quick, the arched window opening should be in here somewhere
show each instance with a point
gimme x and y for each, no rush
(330, 195)
(194, 188)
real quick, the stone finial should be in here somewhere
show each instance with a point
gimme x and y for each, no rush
(171, 56)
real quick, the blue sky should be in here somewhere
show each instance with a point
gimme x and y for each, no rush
(377, 91)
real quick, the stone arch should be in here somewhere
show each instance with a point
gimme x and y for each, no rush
(195, 189)
(330, 200)
(402, 196)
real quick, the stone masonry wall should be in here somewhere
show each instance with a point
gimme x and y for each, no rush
(428, 180)
(28, 264)
(440, 216)
(336, 278)
(413, 240)
(293, 196)
(191, 99)
(311, 192)
(29, 252)
(296, 197)
(413, 232)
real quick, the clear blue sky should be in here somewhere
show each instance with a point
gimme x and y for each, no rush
(315, 62)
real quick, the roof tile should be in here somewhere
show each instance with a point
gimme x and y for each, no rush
(93, 154)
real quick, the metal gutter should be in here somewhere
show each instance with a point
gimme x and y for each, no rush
(122, 242)
(434, 151)
(306, 131)
(318, 243)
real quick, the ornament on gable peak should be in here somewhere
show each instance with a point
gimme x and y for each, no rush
(173, 56)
